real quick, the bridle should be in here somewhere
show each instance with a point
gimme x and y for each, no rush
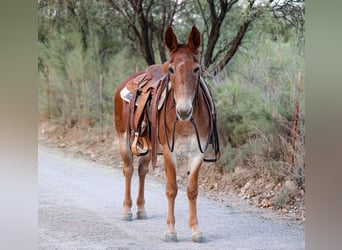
(212, 139)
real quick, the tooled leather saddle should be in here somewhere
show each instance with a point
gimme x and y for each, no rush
(146, 94)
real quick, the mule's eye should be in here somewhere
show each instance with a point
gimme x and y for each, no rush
(196, 70)
(171, 70)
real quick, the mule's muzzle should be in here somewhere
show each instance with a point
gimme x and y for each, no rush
(184, 114)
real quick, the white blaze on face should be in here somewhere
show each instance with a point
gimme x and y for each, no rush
(183, 98)
(179, 65)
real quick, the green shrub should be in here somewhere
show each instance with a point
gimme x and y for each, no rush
(76, 84)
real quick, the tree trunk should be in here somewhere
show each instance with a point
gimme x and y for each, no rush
(213, 37)
(233, 48)
(146, 42)
(161, 47)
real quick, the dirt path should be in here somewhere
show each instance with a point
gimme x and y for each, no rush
(80, 203)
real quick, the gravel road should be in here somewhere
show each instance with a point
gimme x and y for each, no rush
(80, 203)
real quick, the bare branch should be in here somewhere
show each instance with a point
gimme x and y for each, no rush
(234, 45)
(216, 23)
(233, 48)
(213, 14)
(203, 16)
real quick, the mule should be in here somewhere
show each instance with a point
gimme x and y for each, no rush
(184, 128)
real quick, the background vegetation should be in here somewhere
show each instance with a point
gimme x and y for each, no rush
(252, 57)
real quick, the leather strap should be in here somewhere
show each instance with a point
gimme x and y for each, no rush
(156, 94)
(138, 115)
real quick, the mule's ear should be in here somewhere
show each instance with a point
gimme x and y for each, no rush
(194, 40)
(170, 39)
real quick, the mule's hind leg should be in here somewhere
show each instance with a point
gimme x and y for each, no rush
(127, 159)
(142, 171)
(192, 192)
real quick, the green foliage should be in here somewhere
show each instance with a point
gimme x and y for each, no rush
(239, 111)
(80, 62)
(255, 101)
(81, 88)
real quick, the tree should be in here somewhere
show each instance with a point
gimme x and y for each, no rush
(77, 43)
(219, 52)
(147, 21)
(83, 44)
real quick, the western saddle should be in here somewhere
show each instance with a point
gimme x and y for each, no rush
(145, 94)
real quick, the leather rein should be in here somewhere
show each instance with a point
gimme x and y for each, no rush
(212, 139)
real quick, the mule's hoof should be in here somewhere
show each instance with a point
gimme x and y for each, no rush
(170, 237)
(198, 237)
(126, 216)
(141, 215)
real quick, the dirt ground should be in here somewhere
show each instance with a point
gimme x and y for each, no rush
(283, 199)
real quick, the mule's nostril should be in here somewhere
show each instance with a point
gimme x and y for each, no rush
(184, 114)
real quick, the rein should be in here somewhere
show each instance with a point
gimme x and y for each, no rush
(212, 135)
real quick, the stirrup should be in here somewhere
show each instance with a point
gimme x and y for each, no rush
(140, 145)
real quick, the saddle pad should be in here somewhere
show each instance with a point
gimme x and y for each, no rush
(126, 94)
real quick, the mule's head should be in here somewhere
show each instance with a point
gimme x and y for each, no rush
(184, 70)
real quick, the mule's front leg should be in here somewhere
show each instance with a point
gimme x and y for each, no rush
(127, 159)
(142, 171)
(171, 193)
(192, 192)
